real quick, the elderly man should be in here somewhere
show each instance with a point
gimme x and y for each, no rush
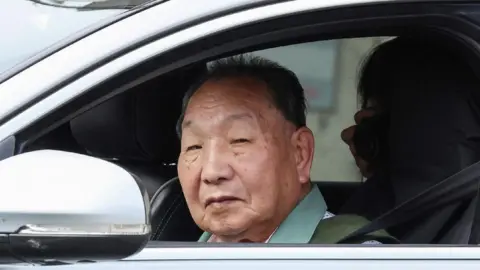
(246, 156)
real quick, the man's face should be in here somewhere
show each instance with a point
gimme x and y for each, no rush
(242, 166)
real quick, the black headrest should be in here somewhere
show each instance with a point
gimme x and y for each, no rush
(136, 125)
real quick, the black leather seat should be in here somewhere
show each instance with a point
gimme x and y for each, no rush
(136, 130)
(170, 213)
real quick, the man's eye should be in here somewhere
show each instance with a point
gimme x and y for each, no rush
(194, 147)
(242, 140)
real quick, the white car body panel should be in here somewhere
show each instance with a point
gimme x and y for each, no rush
(305, 258)
(305, 252)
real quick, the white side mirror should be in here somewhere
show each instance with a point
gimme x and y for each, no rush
(60, 206)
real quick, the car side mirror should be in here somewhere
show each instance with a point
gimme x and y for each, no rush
(64, 207)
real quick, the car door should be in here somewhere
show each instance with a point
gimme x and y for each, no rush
(41, 89)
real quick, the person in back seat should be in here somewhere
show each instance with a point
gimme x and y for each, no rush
(424, 99)
(246, 155)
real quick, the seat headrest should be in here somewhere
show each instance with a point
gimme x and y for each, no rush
(137, 125)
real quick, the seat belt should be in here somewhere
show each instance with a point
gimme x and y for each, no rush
(460, 186)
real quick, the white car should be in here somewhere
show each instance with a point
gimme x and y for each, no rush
(90, 92)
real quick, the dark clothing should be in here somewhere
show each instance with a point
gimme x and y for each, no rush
(434, 133)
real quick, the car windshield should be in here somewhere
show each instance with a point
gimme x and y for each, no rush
(29, 26)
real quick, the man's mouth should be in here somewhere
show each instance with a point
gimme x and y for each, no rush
(220, 199)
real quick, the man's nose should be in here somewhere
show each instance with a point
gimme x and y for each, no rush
(216, 167)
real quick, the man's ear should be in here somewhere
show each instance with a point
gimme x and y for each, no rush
(304, 143)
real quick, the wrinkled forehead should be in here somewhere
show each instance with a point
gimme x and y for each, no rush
(229, 95)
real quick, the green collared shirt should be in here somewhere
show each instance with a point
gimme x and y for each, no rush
(299, 226)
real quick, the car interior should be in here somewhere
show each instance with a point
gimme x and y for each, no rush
(136, 130)
(135, 127)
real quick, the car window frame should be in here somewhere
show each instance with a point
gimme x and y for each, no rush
(50, 73)
(101, 73)
(29, 105)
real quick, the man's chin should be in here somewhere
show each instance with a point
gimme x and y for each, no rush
(227, 227)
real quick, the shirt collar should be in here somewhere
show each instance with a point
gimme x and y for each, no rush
(300, 224)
